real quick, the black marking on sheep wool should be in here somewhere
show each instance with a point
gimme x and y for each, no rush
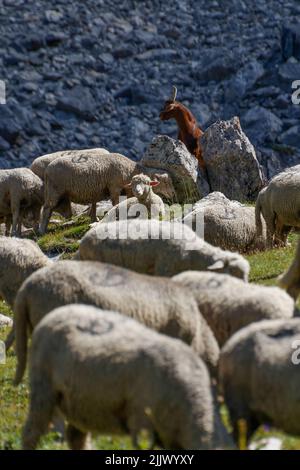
(79, 158)
(108, 278)
(94, 328)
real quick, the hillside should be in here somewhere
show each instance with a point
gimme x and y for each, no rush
(96, 73)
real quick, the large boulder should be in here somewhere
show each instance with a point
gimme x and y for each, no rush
(173, 157)
(231, 162)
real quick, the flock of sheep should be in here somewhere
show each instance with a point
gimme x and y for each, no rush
(149, 333)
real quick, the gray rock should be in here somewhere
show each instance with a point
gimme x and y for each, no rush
(172, 155)
(291, 136)
(5, 321)
(289, 71)
(4, 145)
(158, 54)
(290, 41)
(78, 101)
(231, 161)
(244, 80)
(216, 65)
(262, 125)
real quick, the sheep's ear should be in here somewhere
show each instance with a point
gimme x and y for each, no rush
(128, 185)
(154, 183)
(217, 266)
(161, 176)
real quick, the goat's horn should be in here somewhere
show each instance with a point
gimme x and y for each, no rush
(174, 93)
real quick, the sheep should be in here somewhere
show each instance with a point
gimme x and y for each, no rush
(159, 248)
(141, 186)
(290, 280)
(84, 179)
(39, 164)
(227, 224)
(279, 203)
(260, 378)
(228, 304)
(18, 259)
(109, 374)
(21, 191)
(158, 303)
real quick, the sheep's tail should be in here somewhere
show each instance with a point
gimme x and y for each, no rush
(258, 221)
(21, 327)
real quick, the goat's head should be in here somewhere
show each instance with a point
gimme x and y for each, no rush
(170, 107)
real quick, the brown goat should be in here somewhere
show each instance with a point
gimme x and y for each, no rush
(189, 133)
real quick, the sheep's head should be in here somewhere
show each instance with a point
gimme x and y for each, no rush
(141, 185)
(170, 107)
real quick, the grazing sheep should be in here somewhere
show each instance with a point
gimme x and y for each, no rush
(158, 303)
(228, 304)
(279, 203)
(39, 165)
(84, 179)
(227, 224)
(259, 374)
(290, 280)
(18, 259)
(159, 248)
(141, 186)
(109, 374)
(21, 191)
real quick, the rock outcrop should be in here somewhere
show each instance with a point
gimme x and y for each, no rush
(231, 162)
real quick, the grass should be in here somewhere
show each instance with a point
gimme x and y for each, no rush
(64, 239)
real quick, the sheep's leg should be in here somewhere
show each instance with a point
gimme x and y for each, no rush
(16, 219)
(10, 339)
(42, 404)
(281, 233)
(45, 218)
(77, 440)
(114, 196)
(93, 212)
(7, 225)
(58, 423)
(270, 223)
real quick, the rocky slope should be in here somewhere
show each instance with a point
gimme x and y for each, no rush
(95, 73)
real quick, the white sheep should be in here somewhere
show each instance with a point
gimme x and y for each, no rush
(279, 203)
(20, 190)
(84, 179)
(159, 248)
(158, 303)
(227, 224)
(39, 164)
(228, 304)
(109, 374)
(259, 374)
(141, 186)
(290, 280)
(18, 259)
